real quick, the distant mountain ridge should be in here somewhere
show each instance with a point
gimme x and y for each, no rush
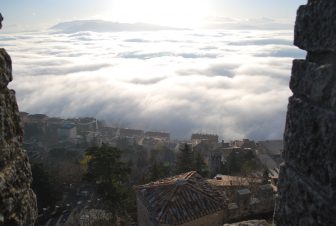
(106, 26)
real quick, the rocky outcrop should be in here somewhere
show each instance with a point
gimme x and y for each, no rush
(17, 200)
(307, 183)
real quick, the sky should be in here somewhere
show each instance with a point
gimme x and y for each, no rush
(228, 76)
(31, 14)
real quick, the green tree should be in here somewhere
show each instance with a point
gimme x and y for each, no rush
(233, 165)
(184, 161)
(154, 171)
(142, 159)
(224, 169)
(110, 174)
(266, 176)
(199, 164)
(43, 186)
(159, 170)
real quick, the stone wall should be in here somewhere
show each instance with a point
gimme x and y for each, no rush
(17, 200)
(307, 182)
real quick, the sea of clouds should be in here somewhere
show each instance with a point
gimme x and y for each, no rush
(230, 82)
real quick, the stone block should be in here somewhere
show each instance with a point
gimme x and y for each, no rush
(300, 204)
(10, 128)
(310, 143)
(5, 69)
(314, 82)
(315, 28)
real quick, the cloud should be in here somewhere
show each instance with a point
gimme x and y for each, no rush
(4, 38)
(221, 69)
(264, 41)
(150, 81)
(64, 70)
(150, 55)
(285, 51)
(105, 26)
(136, 40)
(144, 55)
(250, 24)
(233, 83)
(197, 55)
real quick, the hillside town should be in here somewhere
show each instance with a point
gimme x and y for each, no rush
(85, 172)
(229, 181)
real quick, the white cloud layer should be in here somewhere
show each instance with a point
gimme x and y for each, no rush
(262, 23)
(233, 83)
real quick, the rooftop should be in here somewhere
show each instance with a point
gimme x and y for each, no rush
(87, 120)
(272, 147)
(55, 120)
(68, 126)
(125, 132)
(37, 117)
(157, 134)
(182, 198)
(200, 136)
(225, 180)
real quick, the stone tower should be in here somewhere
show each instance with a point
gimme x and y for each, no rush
(307, 183)
(17, 200)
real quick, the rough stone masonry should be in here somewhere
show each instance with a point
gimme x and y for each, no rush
(17, 200)
(307, 183)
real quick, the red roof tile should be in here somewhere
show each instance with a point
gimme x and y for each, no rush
(179, 199)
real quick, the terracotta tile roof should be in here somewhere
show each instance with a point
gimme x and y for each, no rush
(179, 199)
(227, 181)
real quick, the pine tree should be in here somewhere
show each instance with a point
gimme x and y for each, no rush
(109, 173)
(43, 186)
(154, 171)
(199, 164)
(184, 161)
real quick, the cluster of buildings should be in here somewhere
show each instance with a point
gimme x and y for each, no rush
(216, 153)
(79, 130)
(53, 131)
(187, 199)
(84, 132)
(43, 132)
(191, 200)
